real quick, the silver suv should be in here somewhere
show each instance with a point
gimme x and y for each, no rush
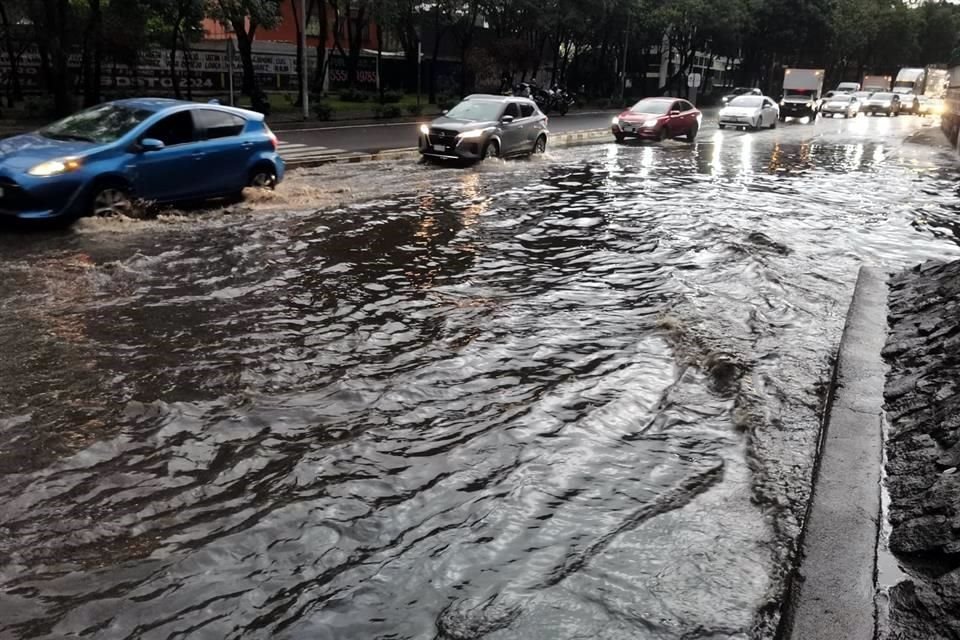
(486, 126)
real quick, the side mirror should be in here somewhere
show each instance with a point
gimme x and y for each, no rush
(506, 119)
(151, 144)
(445, 112)
(674, 112)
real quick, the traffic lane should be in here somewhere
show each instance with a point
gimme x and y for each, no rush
(373, 138)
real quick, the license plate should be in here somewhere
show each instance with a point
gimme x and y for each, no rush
(439, 148)
(629, 129)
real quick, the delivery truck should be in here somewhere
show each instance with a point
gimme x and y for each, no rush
(910, 80)
(802, 89)
(873, 84)
(937, 82)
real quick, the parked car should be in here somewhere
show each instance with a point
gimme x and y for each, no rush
(99, 160)
(749, 111)
(883, 102)
(658, 119)
(741, 91)
(486, 126)
(845, 104)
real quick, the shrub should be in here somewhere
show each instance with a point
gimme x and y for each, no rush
(387, 111)
(351, 95)
(446, 102)
(415, 109)
(38, 106)
(391, 97)
(323, 110)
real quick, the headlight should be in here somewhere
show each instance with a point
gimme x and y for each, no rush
(783, 102)
(476, 133)
(424, 129)
(55, 167)
(616, 120)
(650, 123)
(725, 99)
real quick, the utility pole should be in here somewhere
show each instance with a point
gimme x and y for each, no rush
(623, 67)
(304, 61)
(419, 65)
(230, 66)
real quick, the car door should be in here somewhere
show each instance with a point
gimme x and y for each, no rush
(169, 173)
(223, 166)
(675, 119)
(511, 136)
(769, 112)
(528, 113)
(689, 113)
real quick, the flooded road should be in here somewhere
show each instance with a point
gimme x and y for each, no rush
(570, 398)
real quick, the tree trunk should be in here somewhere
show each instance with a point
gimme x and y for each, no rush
(91, 86)
(174, 78)
(380, 85)
(245, 48)
(437, 39)
(14, 90)
(188, 62)
(300, 51)
(321, 71)
(56, 38)
(355, 42)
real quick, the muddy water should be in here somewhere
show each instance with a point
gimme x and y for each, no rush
(573, 398)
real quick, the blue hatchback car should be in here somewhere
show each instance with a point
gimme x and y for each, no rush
(100, 160)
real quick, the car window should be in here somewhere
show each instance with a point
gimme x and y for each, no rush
(213, 124)
(526, 110)
(685, 106)
(512, 110)
(172, 130)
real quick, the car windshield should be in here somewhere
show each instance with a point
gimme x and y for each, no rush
(862, 95)
(652, 106)
(103, 123)
(882, 96)
(746, 101)
(741, 90)
(800, 93)
(478, 110)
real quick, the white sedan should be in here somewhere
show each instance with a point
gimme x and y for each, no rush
(843, 104)
(750, 112)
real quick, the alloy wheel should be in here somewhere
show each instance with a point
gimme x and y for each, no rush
(263, 180)
(112, 201)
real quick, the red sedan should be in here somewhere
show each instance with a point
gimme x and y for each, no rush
(658, 119)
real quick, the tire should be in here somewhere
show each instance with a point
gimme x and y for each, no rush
(111, 199)
(773, 125)
(663, 134)
(619, 138)
(262, 177)
(492, 150)
(721, 126)
(540, 146)
(692, 133)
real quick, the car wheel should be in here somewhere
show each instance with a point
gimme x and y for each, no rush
(262, 178)
(721, 126)
(663, 134)
(111, 199)
(492, 150)
(620, 138)
(540, 146)
(692, 133)
(773, 125)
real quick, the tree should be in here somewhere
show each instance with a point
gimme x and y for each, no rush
(245, 17)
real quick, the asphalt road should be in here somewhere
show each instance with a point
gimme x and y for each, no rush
(334, 139)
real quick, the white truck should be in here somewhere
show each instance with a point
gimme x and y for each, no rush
(909, 86)
(802, 89)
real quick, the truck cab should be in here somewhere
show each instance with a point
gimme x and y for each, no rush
(802, 90)
(848, 87)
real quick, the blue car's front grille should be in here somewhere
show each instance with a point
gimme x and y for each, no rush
(14, 198)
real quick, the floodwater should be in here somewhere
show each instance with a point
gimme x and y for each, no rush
(570, 398)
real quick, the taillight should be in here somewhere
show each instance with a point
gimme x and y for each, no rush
(271, 135)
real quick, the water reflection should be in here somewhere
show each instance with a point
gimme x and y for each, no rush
(576, 399)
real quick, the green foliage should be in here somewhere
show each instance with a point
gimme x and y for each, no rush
(386, 111)
(323, 110)
(351, 95)
(446, 102)
(391, 97)
(415, 109)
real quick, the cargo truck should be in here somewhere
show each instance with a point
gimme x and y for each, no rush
(909, 85)
(874, 84)
(937, 82)
(950, 121)
(802, 89)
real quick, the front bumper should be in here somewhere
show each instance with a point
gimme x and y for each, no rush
(447, 148)
(27, 198)
(737, 121)
(630, 131)
(791, 110)
(879, 108)
(827, 111)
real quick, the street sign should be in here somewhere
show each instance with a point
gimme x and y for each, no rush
(693, 80)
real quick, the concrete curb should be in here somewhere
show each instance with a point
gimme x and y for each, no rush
(558, 140)
(832, 593)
